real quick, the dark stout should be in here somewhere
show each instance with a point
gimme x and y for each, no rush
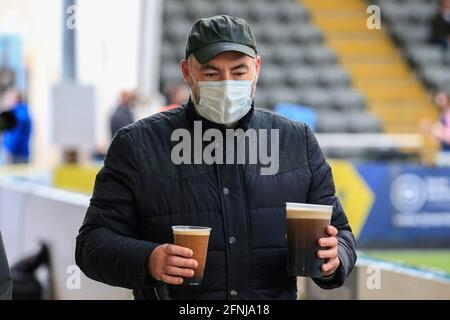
(305, 225)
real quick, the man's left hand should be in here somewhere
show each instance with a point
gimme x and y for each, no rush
(330, 254)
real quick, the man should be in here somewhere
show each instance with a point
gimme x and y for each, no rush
(123, 115)
(176, 95)
(440, 130)
(140, 193)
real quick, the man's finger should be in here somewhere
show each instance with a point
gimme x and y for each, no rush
(327, 254)
(171, 280)
(328, 242)
(331, 266)
(181, 262)
(181, 272)
(332, 231)
(172, 249)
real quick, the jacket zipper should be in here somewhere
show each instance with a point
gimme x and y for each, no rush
(247, 221)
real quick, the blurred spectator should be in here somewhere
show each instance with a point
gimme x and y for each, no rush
(16, 141)
(123, 115)
(176, 95)
(440, 25)
(441, 130)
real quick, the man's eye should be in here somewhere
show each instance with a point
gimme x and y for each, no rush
(240, 74)
(210, 74)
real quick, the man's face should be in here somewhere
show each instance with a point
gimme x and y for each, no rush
(445, 5)
(230, 65)
(442, 100)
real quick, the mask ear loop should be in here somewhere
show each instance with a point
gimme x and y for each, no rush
(254, 80)
(192, 77)
(196, 83)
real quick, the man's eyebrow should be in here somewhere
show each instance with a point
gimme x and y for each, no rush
(239, 66)
(208, 67)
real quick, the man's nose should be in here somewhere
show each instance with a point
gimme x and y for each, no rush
(226, 75)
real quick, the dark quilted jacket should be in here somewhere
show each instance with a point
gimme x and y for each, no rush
(139, 194)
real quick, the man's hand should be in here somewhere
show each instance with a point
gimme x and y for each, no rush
(170, 263)
(332, 261)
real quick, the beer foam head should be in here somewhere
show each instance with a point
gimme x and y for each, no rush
(191, 230)
(308, 211)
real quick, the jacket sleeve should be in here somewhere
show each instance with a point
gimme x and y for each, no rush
(107, 246)
(322, 191)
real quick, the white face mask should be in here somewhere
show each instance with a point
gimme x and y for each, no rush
(224, 102)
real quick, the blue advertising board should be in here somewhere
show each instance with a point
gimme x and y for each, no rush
(411, 206)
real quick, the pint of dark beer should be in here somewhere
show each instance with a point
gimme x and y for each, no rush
(306, 224)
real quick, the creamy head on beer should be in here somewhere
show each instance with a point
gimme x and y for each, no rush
(308, 211)
(191, 231)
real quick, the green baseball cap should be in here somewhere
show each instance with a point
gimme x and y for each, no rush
(210, 36)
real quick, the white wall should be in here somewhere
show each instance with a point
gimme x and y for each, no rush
(108, 52)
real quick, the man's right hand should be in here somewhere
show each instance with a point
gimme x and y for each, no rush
(170, 263)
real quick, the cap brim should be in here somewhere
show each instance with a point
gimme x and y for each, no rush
(203, 55)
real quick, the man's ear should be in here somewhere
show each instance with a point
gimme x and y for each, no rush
(185, 70)
(258, 66)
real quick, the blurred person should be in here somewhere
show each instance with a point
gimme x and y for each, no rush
(440, 130)
(176, 95)
(126, 237)
(16, 140)
(123, 115)
(440, 25)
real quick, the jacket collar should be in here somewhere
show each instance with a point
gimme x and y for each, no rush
(244, 123)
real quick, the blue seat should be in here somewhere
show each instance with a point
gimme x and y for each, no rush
(297, 113)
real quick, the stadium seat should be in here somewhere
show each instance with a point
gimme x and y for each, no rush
(395, 11)
(200, 9)
(297, 113)
(303, 76)
(333, 77)
(421, 55)
(320, 55)
(289, 55)
(281, 95)
(316, 98)
(232, 8)
(292, 12)
(331, 122)
(271, 75)
(403, 35)
(347, 99)
(303, 34)
(362, 122)
(273, 33)
(437, 77)
(263, 13)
